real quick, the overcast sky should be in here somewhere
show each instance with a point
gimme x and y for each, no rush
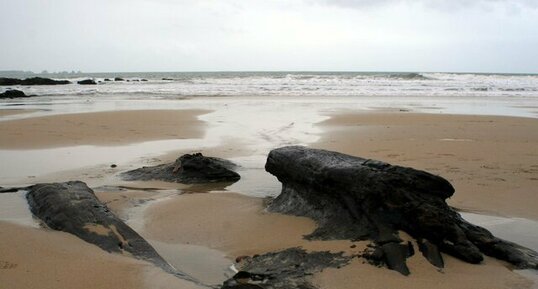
(209, 35)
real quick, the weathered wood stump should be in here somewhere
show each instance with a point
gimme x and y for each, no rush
(359, 199)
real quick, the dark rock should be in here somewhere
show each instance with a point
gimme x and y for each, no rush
(87, 82)
(188, 169)
(285, 269)
(391, 254)
(9, 190)
(143, 79)
(113, 165)
(10, 81)
(395, 255)
(118, 79)
(232, 284)
(164, 78)
(107, 79)
(43, 81)
(73, 208)
(355, 198)
(374, 256)
(431, 253)
(32, 81)
(12, 93)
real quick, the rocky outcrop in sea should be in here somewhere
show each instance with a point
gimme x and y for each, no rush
(32, 81)
(87, 82)
(13, 93)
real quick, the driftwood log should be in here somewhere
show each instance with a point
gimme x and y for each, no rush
(72, 207)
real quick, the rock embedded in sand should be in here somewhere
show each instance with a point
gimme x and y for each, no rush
(72, 207)
(284, 269)
(187, 169)
(13, 93)
(359, 199)
(32, 81)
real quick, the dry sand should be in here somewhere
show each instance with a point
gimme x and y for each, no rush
(491, 161)
(100, 128)
(37, 258)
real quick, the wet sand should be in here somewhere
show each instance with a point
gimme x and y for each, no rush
(230, 222)
(37, 258)
(238, 225)
(110, 128)
(484, 157)
(492, 274)
(7, 112)
(492, 161)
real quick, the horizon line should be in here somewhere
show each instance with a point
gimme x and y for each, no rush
(265, 71)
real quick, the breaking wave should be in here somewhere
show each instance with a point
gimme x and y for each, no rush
(295, 84)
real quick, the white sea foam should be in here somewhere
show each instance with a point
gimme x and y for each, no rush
(300, 84)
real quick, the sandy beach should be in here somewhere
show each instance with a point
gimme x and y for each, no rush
(38, 258)
(7, 112)
(313, 144)
(110, 128)
(238, 225)
(491, 161)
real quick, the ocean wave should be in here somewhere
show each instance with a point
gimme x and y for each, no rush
(301, 83)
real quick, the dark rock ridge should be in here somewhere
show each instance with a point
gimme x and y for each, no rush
(31, 81)
(9, 190)
(13, 93)
(118, 79)
(359, 199)
(72, 207)
(287, 269)
(187, 169)
(87, 82)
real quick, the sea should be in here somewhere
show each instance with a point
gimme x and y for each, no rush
(181, 84)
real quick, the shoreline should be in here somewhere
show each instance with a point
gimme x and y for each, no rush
(109, 128)
(41, 258)
(490, 160)
(237, 225)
